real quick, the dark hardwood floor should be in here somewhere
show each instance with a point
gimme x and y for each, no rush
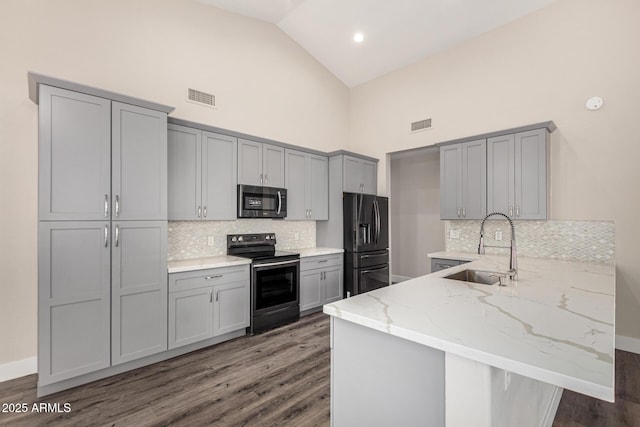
(279, 378)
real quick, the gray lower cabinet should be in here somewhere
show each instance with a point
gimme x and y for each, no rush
(202, 174)
(321, 280)
(307, 184)
(207, 303)
(463, 180)
(74, 276)
(260, 164)
(360, 175)
(138, 289)
(438, 264)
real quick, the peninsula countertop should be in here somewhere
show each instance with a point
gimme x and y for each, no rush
(555, 324)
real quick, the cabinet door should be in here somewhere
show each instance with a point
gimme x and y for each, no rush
(439, 264)
(190, 316)
(295, 165)
(138, 289)
(184, 192)
(531, 174)
(139, 163)
(451, 181)
(474, 179)
(332, 283)
(231, 307)
(74, 156)
(73, 299)
(369, 177)
(318, 187)
(352, 175)
(501, 175)
(311, 293)
(219, 176)
(272, 166)
(249, 162)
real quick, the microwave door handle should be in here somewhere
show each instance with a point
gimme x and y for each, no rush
(279, 203)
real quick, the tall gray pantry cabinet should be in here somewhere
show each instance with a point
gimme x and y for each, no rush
(102, 250)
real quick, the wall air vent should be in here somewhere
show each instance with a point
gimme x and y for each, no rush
(201, 98)
(421, 125)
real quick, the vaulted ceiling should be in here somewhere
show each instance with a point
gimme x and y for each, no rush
(396, 32)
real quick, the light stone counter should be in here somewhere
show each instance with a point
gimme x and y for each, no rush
(205, 263)
(555, 324)
(308, 252)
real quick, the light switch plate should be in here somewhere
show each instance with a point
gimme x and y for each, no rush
(498, 235)
(454, 234)
(211, 241)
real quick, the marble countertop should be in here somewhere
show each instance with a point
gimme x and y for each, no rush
(204, 263)
(307, 252)
(555, 324)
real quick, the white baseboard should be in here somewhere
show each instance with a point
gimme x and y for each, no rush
(19, 368)
(629, 344)
(397, 279)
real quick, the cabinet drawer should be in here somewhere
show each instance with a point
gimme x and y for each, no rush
(202, 278)
(321, 261)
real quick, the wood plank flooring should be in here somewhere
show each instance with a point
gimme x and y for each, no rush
(279, 378)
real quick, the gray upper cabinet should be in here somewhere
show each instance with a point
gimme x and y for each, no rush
(138, 289)
(139, 163)
(463, 180)
(73, 299)
(517, 174)
(202, 175)
(360, 175)
(307, 184)
(260, 164)
(74, 156)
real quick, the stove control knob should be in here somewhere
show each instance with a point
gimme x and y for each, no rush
(273, 237)
(233, 239)
(239, 238)
(267, 237)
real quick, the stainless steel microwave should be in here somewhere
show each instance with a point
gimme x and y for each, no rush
(261, 202)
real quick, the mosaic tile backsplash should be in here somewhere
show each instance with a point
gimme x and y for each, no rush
(188, 239)
(565, 240)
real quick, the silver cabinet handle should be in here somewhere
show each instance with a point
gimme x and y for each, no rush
(459, 212)
(106, 206)
(265, 178)
(217, 276)
(117, 206)
(106, 236)
(260, 178)
(464, 212)
(204, 211)
(117, 235)
(199, 212)
(517, 211)
(309, 213)
(511, 211)
(323, 260)
(210, 296)
(216, 296)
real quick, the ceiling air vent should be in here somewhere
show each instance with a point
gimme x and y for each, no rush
(201, 98)
(421, 125)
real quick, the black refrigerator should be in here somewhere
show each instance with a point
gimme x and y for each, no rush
(366, 243)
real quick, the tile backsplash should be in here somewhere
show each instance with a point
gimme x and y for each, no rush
(188, 239)
(566, 240)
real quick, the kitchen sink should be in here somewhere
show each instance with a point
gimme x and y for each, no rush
(476, 276)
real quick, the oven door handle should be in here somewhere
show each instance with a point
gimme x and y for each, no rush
(272, 264)
(279, 202)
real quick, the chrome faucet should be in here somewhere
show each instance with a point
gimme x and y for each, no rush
(513, 256)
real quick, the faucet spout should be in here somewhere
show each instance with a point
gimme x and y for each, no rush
(513, 253)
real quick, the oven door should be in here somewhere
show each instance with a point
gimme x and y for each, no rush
(275, 284)
(261, 202)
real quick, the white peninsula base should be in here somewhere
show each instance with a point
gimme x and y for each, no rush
(378, 379)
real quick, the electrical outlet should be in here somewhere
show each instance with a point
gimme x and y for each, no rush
(211, 241)
(454, 234)
(296, 236)
(498, 235)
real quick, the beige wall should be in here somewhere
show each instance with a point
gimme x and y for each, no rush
(541, 67)
(416, 229)
(265, 84)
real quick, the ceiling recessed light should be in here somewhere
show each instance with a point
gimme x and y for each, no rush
(358, 37)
